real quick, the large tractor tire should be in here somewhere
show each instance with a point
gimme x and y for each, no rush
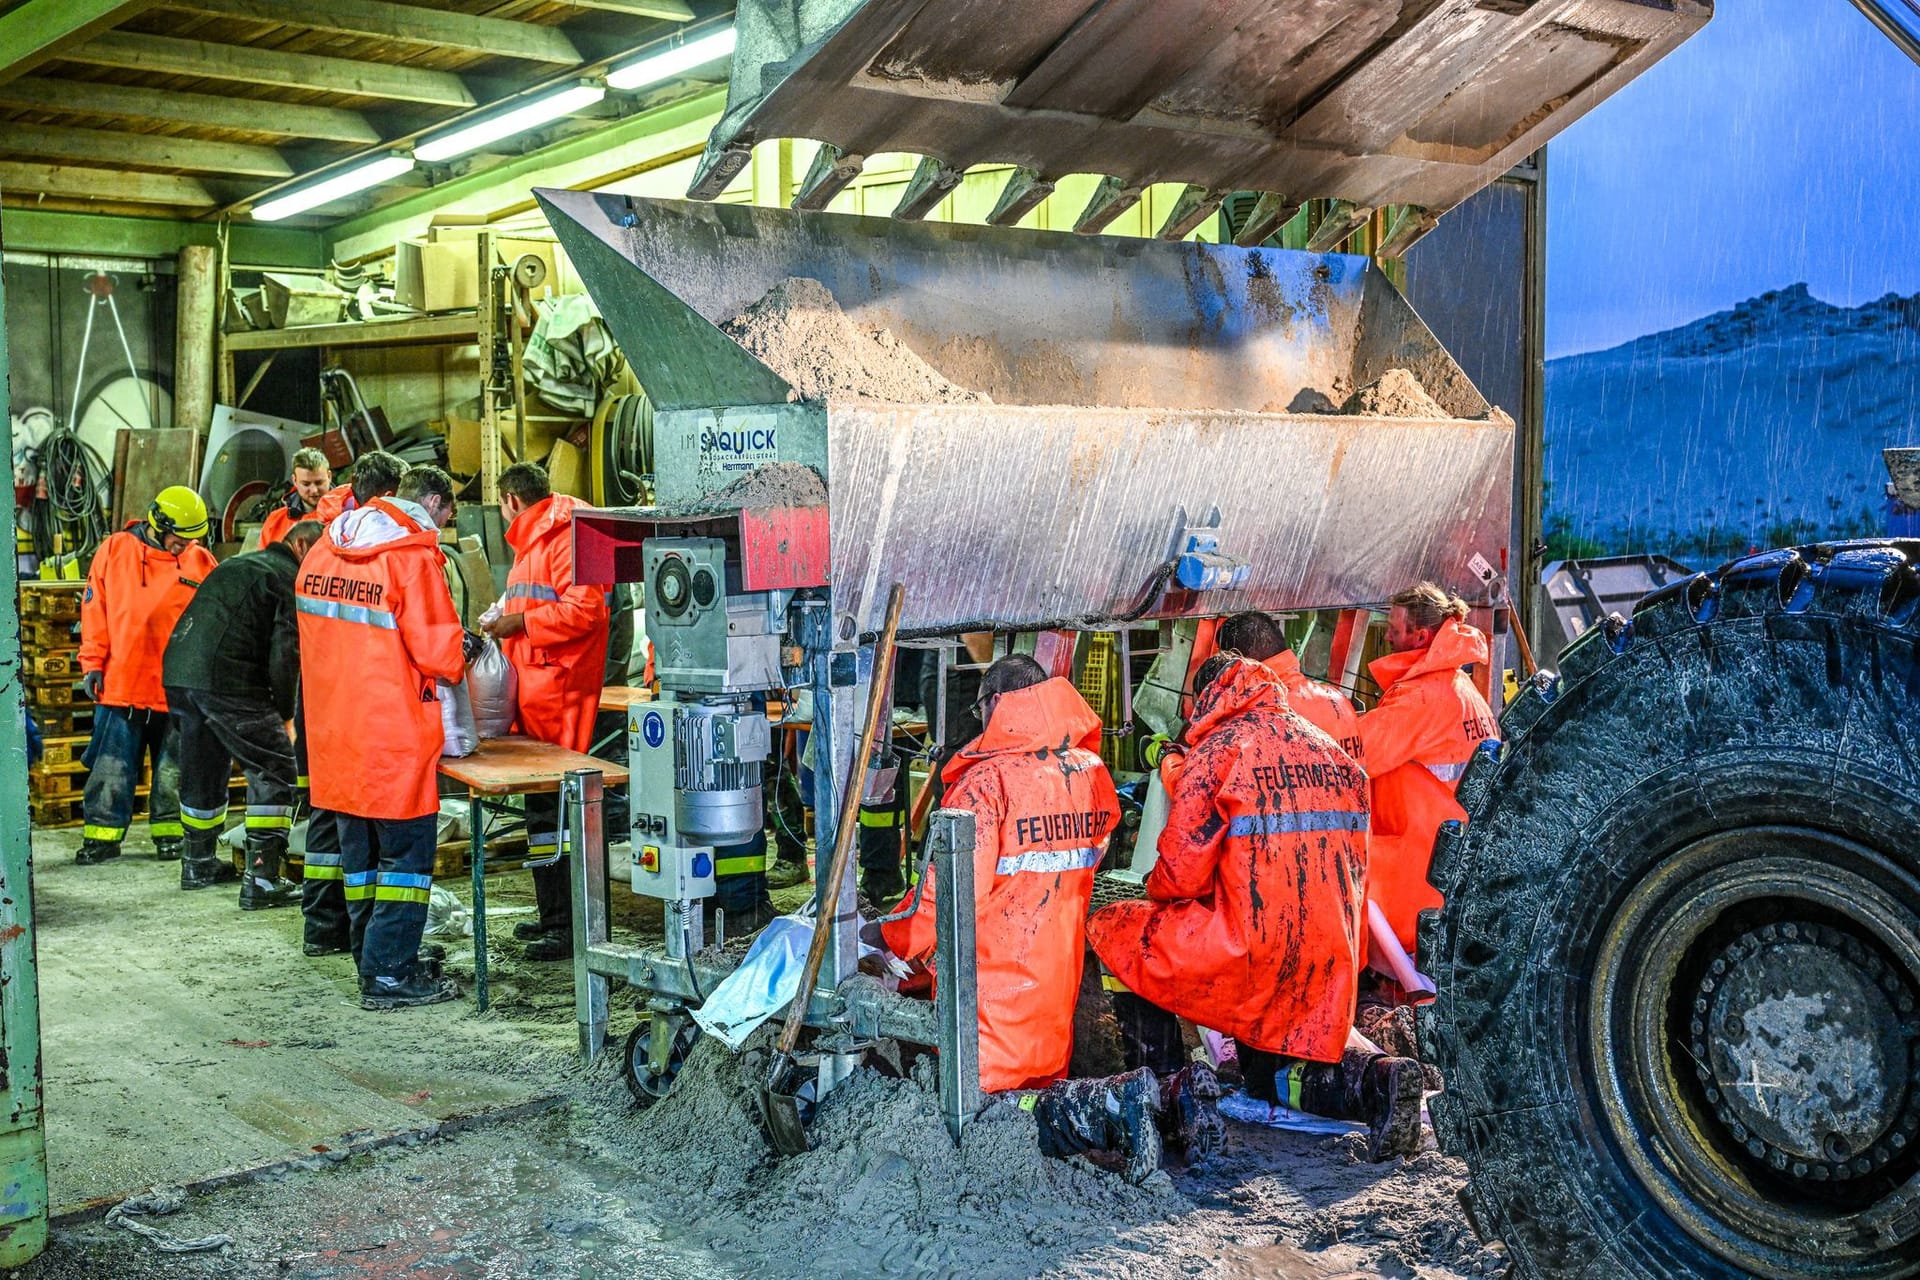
(1680, 958)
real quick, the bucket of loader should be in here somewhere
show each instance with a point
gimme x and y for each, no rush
(1368, 102)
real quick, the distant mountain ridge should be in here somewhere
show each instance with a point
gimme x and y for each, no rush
(1754, 426)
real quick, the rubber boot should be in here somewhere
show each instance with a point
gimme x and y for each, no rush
(201, 866)
(1391, 1092)
(1117, 1113)
(262, 888)
(785, 874)
(167, 848)
(1391, 1029)
(1190, 1113)
(528, 930)
(551, 946)
(94, 852)
(421, 987)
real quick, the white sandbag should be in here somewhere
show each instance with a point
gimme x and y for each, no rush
(493, 690)
(456, 721)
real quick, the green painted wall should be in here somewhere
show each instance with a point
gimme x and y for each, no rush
(108, 236)
(23, 1150)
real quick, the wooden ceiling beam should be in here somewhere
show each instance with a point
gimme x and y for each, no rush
(116, 186)
(39, 31)
(165, 55)
(380, 20)
(199, 110)
(110, 148)
(665, 10)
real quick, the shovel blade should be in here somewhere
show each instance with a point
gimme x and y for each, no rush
(780, 1108)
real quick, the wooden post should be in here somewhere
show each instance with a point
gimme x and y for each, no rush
(493, 363)
(198, 286)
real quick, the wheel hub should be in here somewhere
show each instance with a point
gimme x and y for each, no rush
(1803, 1039)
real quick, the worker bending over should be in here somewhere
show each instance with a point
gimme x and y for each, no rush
(1044, 806)
(323, 905)
(140, 581)
(378, 635)
(231, 668)
(554, 632)
(1255, 915)
(312, 478)
(1418, 739)
(1258, 636)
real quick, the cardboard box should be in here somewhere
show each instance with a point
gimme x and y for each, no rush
(462, 228)
(567, 469)
(436, 277)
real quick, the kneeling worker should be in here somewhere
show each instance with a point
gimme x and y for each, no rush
(1257, 636)
(232, 667)
(139, 583)
(1045, 806)
(1254, 919)
(378, 633)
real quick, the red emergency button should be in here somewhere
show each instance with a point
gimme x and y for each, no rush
(649, 859)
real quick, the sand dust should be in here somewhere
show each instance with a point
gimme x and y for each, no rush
(1397, 394)
(801, 333)
(775, 484)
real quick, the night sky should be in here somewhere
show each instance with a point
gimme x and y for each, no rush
(1780, 144)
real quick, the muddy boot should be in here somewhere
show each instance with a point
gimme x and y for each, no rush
(1391, 1029)
(167, 848)
(421, 987)
(258, 893)
(550, 946)
(203, 867)
(1118, 1113)
(1390, 1096)
(1190, 1113)
(94, 852)
(784, 874)
(528, 930)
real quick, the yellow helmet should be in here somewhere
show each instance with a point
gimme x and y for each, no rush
(178, 510)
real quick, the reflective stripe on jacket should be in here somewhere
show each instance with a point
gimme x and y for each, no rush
(1256, 909)
(561, 657)
(135, 593)
(1044, 806)
(377, 631)
(1428, 723)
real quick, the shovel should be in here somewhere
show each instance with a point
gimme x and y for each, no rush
(779, 1097)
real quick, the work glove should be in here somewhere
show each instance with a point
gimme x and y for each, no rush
(91, 682)
(472, 645)
(1157, 748)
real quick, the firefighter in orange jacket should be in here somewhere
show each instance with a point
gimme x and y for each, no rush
(1418, 739)
(1044, 806)
(1257, 636)
(312, 478)
(139, 583)
(554, 632)
(323, 904)
(378, 636)
(1255, 913)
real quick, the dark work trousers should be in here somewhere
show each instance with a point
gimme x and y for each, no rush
(322, 903)
(122, 738)
(388, 879)
(216, 730)
(881, 824)
(740, 878)
(552, 885)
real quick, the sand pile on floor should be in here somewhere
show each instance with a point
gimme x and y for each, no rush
(1397, 394)
(884, 1191)
(799, 331)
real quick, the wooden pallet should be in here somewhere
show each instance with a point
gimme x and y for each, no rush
(50, 695)
(73, 720)
(42, 636)
(46, 781)
(503, 854)
(61, 811)
(65, 665)
(51, 601)
(63, 749)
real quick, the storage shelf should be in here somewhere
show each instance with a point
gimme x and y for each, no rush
(463, 326)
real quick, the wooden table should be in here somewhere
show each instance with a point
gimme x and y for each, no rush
(621, 697)
(509, 766)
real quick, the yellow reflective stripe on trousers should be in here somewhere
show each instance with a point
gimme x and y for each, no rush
(165, 830)
(359, 885)
(1110, 983)
(268, 822)
(744, 865)
(400, 893)
(884, 819)
(317, 871)
(112, 835)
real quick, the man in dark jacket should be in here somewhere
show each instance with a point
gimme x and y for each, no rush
(232, 667)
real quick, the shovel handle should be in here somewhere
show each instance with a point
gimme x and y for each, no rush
(843, 833)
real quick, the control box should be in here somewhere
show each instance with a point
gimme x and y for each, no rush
(663, 866)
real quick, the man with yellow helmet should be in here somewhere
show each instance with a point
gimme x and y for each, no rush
(140, 581)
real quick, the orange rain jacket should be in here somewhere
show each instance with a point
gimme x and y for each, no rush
(1321, 705)
(1255, 912)
(1419, 738)
(377, 630)
(335, 500)
(561, 658)
(135, 593)
(1044, 806)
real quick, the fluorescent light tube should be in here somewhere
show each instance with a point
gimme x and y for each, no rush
(532, 115)
(358, 178)
(656, 67)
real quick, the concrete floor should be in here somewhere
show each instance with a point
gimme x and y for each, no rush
(183, 1037)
